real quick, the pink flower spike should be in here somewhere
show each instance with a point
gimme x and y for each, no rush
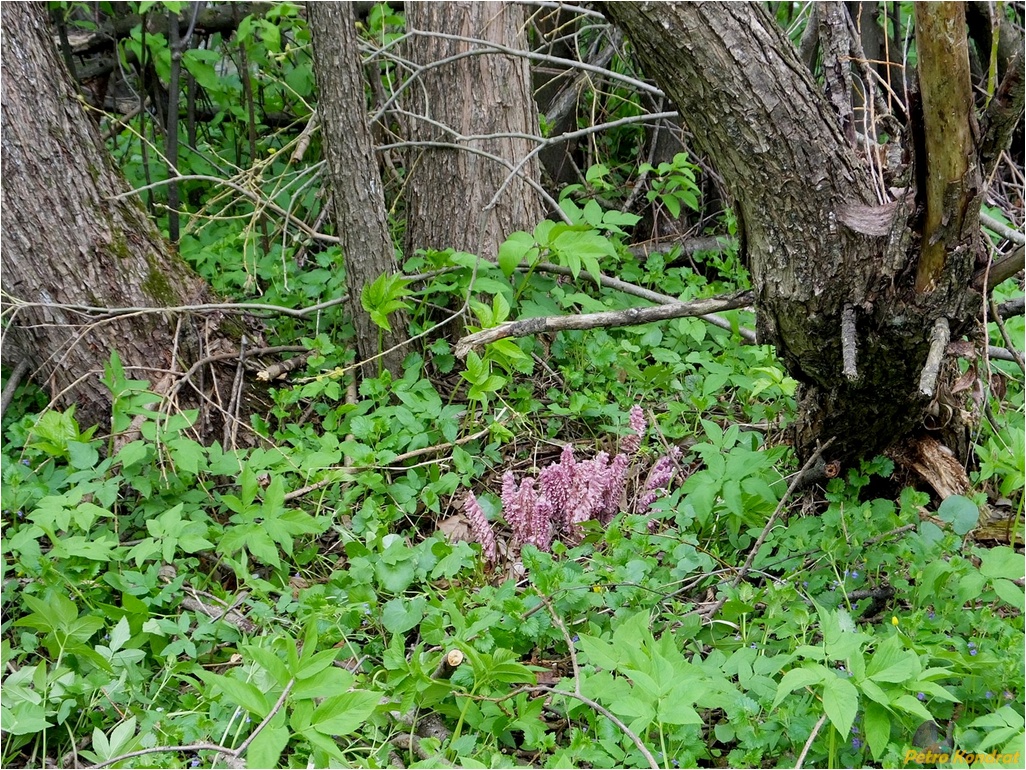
(480, 527)
(631, 443)
(541, 525)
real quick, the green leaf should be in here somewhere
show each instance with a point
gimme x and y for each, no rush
(120, 634)
(961, 512)
(599, 652)
(332, 681)
(841, 703)
(315, 663)
(187, 455)
(911, 705)
(132, 453)
(1000, 562)
(1010, 593)
(266, 748)
(513, 251)
(82, 455)
(343, 714)
(877, 723)
(400, 615)
(240, 693)
(797, 678)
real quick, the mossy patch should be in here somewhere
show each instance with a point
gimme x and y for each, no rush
(157, 286)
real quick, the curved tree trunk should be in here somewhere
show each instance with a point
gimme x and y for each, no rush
(830, 253)
(67, 239)
(357, 192)
(471, 96)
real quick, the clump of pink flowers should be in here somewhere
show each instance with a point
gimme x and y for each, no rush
(569, 492)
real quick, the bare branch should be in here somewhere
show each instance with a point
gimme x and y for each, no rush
(652, 296)
(628, 317)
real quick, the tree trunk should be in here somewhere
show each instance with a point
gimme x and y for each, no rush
(357, 192)
(68, 240)
(831, 254)
(449, 189)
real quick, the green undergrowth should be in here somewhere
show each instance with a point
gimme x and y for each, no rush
(294, 601)
(298, 600)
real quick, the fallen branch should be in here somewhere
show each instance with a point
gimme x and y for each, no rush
(613, 318)
(1013, 307)
(640, 291)
(1000, 271)
(685, 246)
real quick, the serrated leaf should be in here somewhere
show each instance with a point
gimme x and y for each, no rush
(841, 703)
(876, 722)
(599, 652)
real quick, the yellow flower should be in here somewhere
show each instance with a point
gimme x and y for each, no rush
(894, 620)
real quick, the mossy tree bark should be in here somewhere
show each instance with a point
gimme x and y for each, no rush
(69, 239)
(829, 249)
(357, 192)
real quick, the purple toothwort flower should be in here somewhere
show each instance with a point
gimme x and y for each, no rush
(481, 528)
(555, 481)
(631, 443)
(616, 480)
(659, 478)
(540, 529)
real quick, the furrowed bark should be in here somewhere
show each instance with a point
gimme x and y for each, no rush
(818, 237)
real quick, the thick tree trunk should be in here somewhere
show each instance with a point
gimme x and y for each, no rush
(358, 196)
(67, 240)
(828, 251)
(471, 96)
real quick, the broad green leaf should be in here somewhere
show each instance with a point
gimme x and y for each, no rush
(797, 678)
(513, 251)
(841, 703)
(315, 663)
(1001, 562)
(961, 512)
(238, 692)
(120, 634)
(332, 681)
(911, 705)
(266, 748)
(876, 722)
(343, 714)
(270, 662)
(399, 615)
(1010, 593)
(599, 652)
